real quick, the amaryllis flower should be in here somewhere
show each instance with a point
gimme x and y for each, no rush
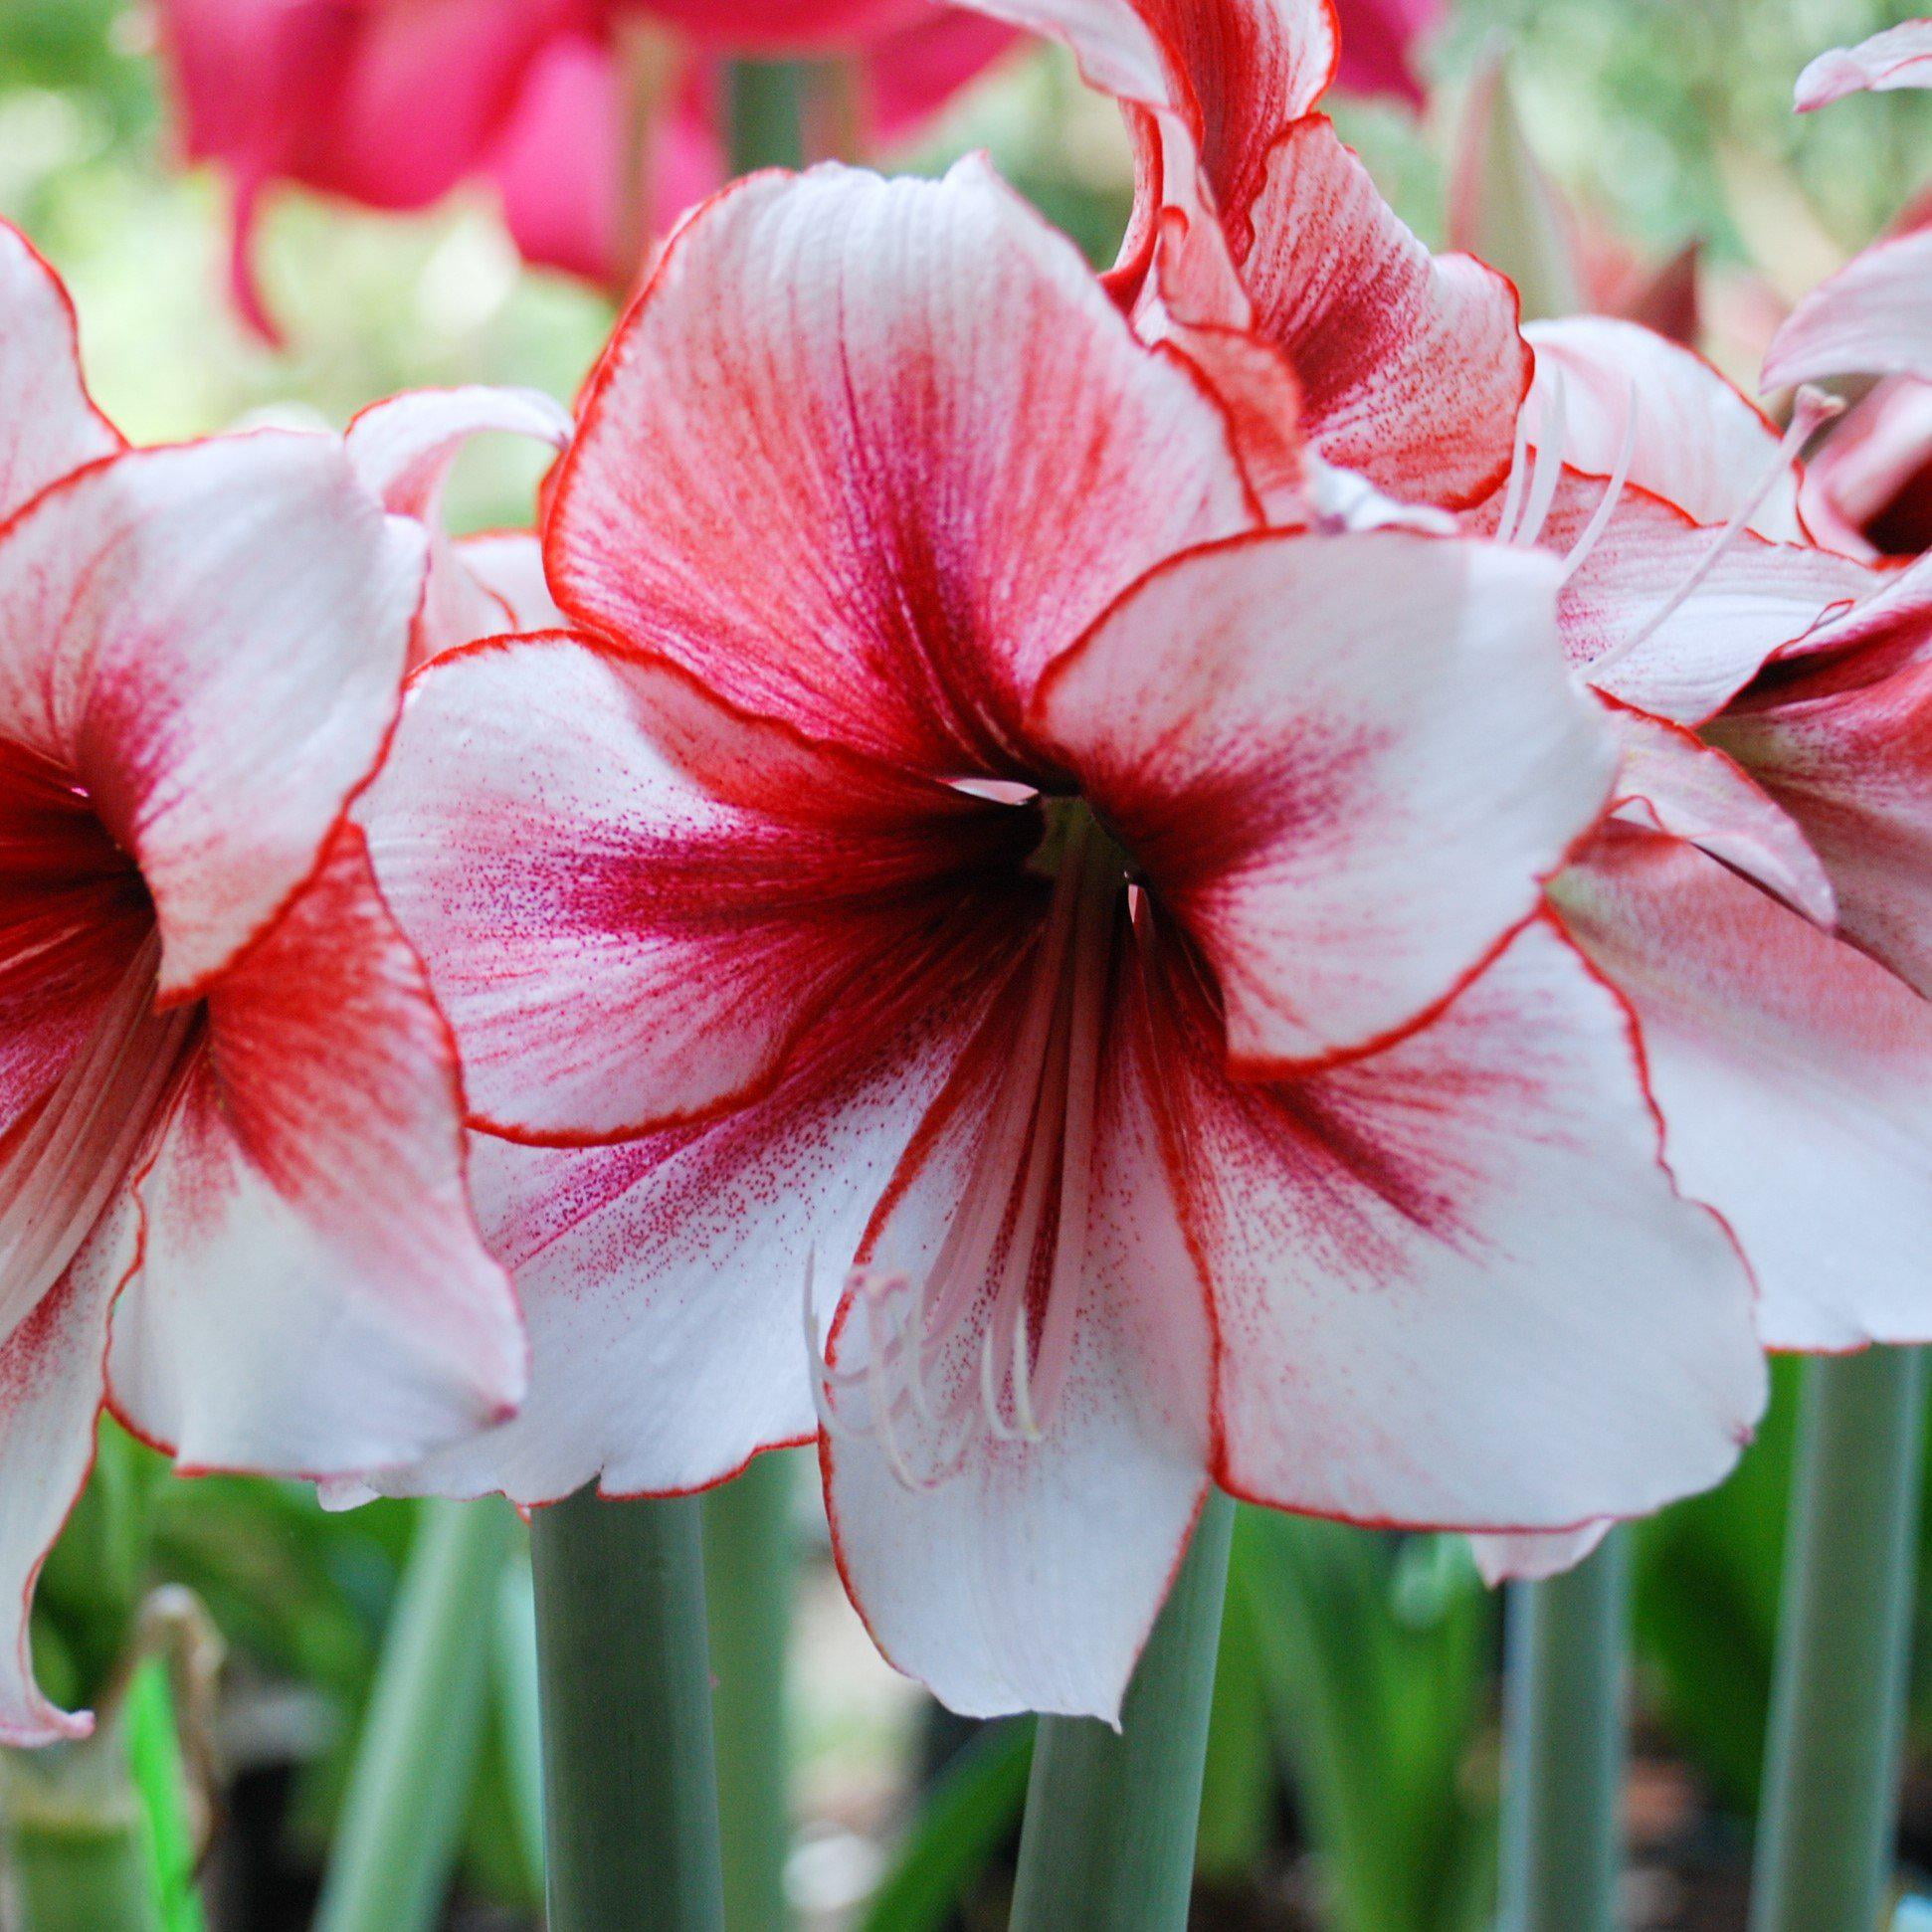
(967, 898)
(1901, 57)
(1255, 226)
(230, 1114)
(393, 102)
(1764, 894)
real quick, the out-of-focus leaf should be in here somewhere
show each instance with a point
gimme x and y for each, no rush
(1375, 1657)
(964, 1819)
(1238, 1792)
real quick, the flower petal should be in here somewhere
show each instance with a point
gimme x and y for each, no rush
(871, 509)
(51, 427)
(1794, 1079)
(1899, 57)
(1872, 319)
(1842, 738)
(313, 1296)
(1346, 763)
(1536, 1559)
(1411, 365)
(403, 450)
(51, 1386)
(1698, 443)
(508, 564)
(631, 897)
(1453, 1284)
(662, 1279)
(1674, 782)
(1685, 659)
(1029, 1578)
(210, 640)
(1865, 490)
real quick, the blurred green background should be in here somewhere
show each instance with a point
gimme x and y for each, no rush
(1352, 1776)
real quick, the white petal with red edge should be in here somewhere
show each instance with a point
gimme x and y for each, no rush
(1872, 319)
(631, 899)
(1794, 1079)
(404, 450)
(1757, 598)
(1536, 1559)
(1899, 57)
(313, 1296)
(1699, 444)
(663, 1281)
(1029, 1577)
(1454, 1284)
(51, 427)
(1346, 763)
(1411, 365)
(1675, 783)
(210, 640)
(873, 509)
(52, 1381)
(508, 564)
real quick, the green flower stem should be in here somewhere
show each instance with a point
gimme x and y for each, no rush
(161, 1779)
(765, 111)
(748, 1582)
(415, 1762)
(629, 1781)
(75, 1846)
(1830, 1808)
(1563, 1796)
(1112, 1815)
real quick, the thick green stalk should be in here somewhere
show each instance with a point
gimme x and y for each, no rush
(748, 1577)
(1563, 1796)
(160, 1780)
(1830, 1809)
(415, 1762)
(630, 1789)
(74, 1847)
(1112, 1815)
(765, 111)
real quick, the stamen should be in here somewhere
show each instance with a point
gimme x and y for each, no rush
(1620, 477)
(1512, 502)
(63, 1170)
(1549, 463)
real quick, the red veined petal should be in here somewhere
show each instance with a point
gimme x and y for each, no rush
(1028, 1576)
(1794, 1079)
(631, 897)
(873, 509)
(1453, 1284)
(663, 1281)
(1411, 365)
(210, 639)
(1347, 764)
(314, 1298)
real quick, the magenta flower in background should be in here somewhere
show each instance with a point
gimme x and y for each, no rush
(394, 103)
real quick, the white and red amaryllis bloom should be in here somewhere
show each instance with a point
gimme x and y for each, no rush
(965, 878)
(1261, 248)
(232, 1160)
(1763, 893)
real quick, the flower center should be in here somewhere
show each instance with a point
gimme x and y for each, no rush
(983, 1338)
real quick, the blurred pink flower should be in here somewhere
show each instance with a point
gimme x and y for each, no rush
(393, 102)
(233, 1185)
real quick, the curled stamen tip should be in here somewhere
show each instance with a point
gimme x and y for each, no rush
(1813, 409)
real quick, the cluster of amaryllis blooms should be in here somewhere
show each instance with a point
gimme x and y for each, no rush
(1076, 886)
